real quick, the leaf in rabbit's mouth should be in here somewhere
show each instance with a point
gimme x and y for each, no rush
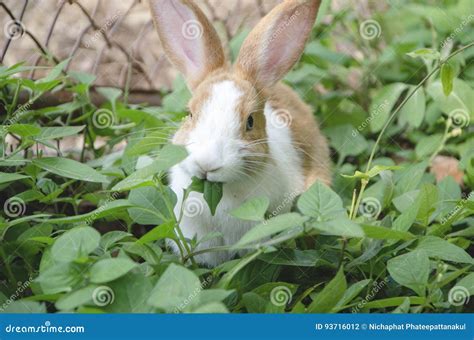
(212, 192)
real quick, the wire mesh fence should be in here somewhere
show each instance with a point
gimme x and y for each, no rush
(113, 40)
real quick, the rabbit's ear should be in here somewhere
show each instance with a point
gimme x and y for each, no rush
(276, 43)
(188, 38)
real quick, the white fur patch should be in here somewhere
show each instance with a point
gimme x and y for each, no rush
(280, 179)
(215, 140)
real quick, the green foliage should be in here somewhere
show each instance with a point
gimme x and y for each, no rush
(88, 229)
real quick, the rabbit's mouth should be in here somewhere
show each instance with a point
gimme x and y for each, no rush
(215, 172)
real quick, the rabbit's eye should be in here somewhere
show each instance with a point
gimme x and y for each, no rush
(250, 123)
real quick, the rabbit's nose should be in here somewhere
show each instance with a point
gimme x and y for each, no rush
(207, 168)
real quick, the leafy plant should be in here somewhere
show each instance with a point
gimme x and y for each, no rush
(88, 229)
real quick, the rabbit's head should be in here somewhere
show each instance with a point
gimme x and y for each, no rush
(225, 132)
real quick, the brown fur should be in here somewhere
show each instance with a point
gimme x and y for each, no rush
(308, 139)
(281, 15)
(258, 88)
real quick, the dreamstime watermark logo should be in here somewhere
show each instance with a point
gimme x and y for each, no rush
(281, 28)
(281, 296)
(110, 198)
(14, 29)
(191, 30)
(457, 30)
(103, 296)
(193, 207)
(458, 296)
(46, 328)
(193, 295)
(287, 201)
(458, 208)
(16, 115)
(371, 295)
(22, 286)
(14, 207)
(281, 118)
(103, 29)
(370, 207)
(460, 118)
(370, 29)
(372, 115)
(103, 118)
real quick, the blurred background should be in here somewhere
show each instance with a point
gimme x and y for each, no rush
(115, 40)
(391, 83)
(362, 57)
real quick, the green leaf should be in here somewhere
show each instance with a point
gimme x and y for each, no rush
(213, 192)
(165, 230)
(47, 133)
(350, 294)
(107, 209)
(346, 141)
(403, 308)
(153, 140)
(131, 293)
(75, 243)
(406, 201)
(406, 219)
(299, 258)
(321, 202)
(252, 210)
(425, 53)
(112, 237)
(76, 298)
(382, 233)
(427, 198)
(447, 77)
(338, 227)
(411, 270)
(60, 277)
(460, 100)
(437, 247)
(467, 282)
(409, 178)
(110, 269)
(208, 296)
(83, 77)
(9, 177)
(327, 299)
(269, 227)
(413, 112)
(395, 301)
(428, 145)
(168, 156)
(382, 104)
(174, 289)
(69, 168)
(54, 73)
(374, 171)
(151, 206)
(151, 253)
(197, 185)
(24, 130)
(211, 308)
(24, 307)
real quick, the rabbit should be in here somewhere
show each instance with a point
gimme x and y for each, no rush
(245, 128)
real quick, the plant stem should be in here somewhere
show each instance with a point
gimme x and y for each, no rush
(364, 182)
(207, 250)
(446, 136)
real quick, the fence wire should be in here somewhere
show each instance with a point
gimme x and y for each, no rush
(113, 40)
